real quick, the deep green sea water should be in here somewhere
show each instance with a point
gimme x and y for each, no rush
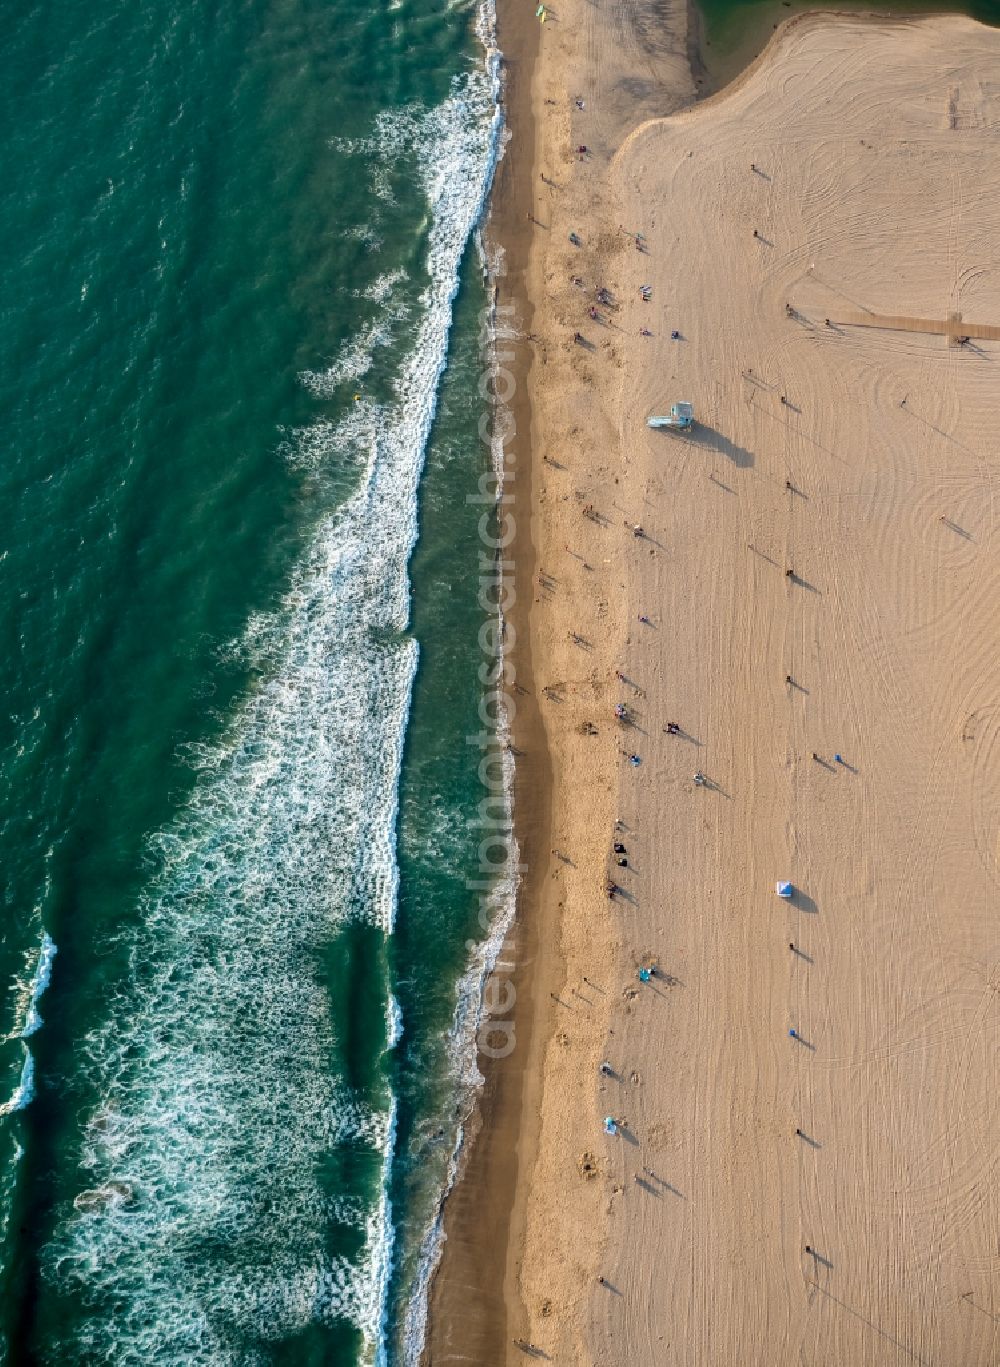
(234, 820)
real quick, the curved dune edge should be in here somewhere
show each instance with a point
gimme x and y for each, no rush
(787, 30)
(880, 195)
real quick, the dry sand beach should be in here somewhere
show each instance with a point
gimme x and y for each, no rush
(819, 572)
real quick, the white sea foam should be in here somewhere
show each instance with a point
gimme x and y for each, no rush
(380, 290)
(366, 235)
(204, 1228)
(357, 356)
(28, 994)
(394, 1022)
(347, 443)
(25, 1089)
(39, 982)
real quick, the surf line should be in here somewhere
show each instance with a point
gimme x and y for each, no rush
(25, 1089)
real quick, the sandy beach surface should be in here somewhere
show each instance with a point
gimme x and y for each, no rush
(626, 64)
(812, 601)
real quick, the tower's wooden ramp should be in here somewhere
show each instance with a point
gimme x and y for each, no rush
(952, 327)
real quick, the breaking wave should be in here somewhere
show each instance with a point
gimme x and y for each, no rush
(29, 994)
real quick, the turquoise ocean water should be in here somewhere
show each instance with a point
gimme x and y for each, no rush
(234, 816)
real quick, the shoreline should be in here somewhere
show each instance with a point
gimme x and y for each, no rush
(479, 1218)
(476, 1305)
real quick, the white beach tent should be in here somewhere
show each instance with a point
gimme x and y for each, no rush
(783, 888)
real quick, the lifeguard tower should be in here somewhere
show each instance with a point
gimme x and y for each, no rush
(680, 417)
